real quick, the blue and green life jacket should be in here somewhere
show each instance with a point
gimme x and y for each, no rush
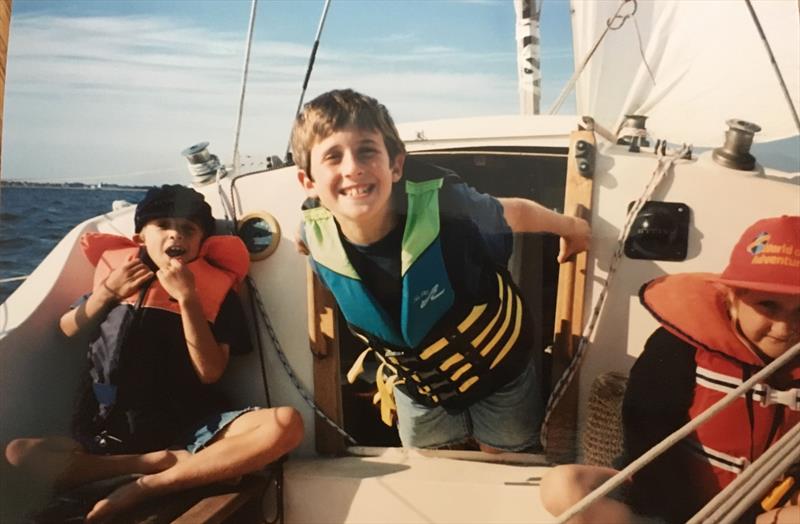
(449, 349)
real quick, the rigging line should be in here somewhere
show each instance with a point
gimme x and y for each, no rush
(288, 367)
(762, 487)
(753, 482)
(664, 165)
(641, 51)
(245, 69)
(308, 72)
(676, 436)
(774, 63)
(260, 342)
(616, 18)
(13, 279)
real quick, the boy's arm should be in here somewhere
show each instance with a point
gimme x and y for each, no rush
(121, 283)
(527, 216)
(209, 357)
(657, 400)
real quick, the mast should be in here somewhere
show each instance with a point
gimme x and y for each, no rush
(528, 61)
(5, 22)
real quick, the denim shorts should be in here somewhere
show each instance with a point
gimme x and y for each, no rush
(508, 419)
(201, 436)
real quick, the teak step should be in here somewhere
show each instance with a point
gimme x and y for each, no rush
(214, 509)
(207, 505)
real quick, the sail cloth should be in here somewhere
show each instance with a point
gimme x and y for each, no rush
(708, 61)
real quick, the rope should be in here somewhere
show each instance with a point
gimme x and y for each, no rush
(245, 70)
(612, 24)
(774, 63)
(641, 50)
(665, 163)
(13, 279)
(677, 436)
(739, 495)
(228, 210)
(288, 368)
(309, 69)
(261, 358)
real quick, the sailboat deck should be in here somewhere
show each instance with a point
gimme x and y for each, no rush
(412, 486)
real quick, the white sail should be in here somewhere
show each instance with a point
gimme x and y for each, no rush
(707, 59)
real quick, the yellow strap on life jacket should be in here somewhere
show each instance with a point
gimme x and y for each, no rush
(385, 393)
(358, 366)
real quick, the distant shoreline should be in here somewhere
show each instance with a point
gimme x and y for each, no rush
(70, 185)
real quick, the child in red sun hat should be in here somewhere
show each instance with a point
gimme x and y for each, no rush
(717, 330)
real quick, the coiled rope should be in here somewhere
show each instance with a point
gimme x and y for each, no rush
(678, 435)
(664, 166)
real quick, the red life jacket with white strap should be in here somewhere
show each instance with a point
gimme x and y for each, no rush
(696, 311)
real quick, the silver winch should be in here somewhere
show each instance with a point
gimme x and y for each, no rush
(203, 166)
(735, 152)
(633, 133)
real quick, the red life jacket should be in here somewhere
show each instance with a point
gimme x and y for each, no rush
(696, 311)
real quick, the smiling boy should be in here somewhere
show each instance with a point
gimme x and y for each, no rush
(163, 319)
(416, 260)
(717, 331)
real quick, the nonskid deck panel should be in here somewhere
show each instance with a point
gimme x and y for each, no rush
(409, 486)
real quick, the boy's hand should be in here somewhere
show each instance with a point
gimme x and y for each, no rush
(125, 280)
(575, 242)
(299, 243)
(177, 280)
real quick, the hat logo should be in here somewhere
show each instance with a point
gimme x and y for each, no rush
(758, 244)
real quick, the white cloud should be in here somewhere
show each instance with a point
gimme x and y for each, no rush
(88, 97)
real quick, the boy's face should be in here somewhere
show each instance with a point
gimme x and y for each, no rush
(353, 176)
(166, 238)
(770, 321)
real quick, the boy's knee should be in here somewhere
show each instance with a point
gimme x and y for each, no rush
(563, 486)
(291, 423)
(17, 450)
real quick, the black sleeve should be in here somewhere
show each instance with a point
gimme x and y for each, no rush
(657, 400)
(230, 327)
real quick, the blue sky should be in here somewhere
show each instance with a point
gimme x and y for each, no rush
(112, 91)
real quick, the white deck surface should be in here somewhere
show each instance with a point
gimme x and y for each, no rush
(407, 486)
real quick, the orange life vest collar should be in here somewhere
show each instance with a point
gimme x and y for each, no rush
(221, 265)
(695, 310)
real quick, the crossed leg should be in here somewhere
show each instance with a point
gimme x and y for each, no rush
(247, 444)
(64, 463)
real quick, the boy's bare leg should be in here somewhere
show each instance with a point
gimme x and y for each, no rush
(564, 486)
(63, 462)
(249, 443)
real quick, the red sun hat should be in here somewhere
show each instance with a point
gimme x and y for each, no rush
(766, 257)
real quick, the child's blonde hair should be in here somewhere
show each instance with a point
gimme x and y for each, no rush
(335, 110)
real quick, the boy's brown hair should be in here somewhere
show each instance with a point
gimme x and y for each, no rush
(335, 110)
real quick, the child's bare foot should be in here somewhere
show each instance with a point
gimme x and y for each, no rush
(117, 501)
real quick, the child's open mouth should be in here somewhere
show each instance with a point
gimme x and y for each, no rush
(175, 251)
(357, 191)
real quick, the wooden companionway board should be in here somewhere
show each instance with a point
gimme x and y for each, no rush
(561, 431)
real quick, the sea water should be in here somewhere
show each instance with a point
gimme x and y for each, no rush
(34, 219)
